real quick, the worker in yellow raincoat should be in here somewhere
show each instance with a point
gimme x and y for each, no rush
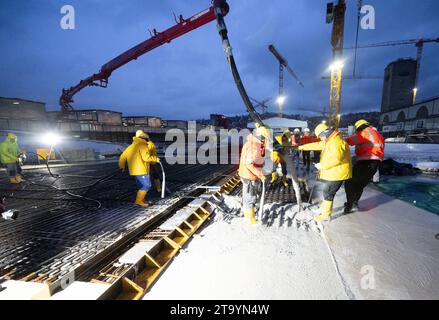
(139, 157)
(335, 165)
(9, 157)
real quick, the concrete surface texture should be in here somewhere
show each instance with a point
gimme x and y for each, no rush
(386, 251)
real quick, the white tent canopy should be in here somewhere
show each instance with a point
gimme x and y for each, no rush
(280, 124)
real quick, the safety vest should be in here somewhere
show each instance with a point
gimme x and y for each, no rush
(295, 140)
(307, 138)
(369, 144)
(252, 159)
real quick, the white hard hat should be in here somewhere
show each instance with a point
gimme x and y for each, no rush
(306, 130)
(297, 130)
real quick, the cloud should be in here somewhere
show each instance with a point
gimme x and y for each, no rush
(189, 78)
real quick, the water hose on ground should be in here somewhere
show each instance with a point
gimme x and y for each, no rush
(163, 181)
(262, 202)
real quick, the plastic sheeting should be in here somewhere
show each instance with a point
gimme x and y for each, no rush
(422, 192)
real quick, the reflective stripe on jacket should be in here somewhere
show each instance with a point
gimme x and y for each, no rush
(138, 156)
(252, 159)
(369, 144)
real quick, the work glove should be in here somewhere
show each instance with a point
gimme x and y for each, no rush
(158, 160)
(318, 166)
(263, 179)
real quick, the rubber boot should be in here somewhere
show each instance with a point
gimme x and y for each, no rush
(351, 208)
(13, 180)
(140, 198)
(158, 185)
(284, 181)
(273, 177)
(250, 214)
(325, 211)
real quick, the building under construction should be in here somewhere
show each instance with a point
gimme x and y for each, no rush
(80, 221)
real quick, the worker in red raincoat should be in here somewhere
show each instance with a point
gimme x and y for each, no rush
(369, 151)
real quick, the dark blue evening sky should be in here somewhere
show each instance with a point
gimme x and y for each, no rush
(189, 78)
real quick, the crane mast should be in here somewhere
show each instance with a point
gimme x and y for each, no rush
(283, 64)
(336, 16)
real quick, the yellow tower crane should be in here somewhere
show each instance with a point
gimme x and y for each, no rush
(335, 14)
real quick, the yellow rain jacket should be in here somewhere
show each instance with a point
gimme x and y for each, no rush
(138, 155)
(9, 151)
(335, 158)
(152, 148)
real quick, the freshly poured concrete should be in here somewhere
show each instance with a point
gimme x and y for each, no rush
(387, 251)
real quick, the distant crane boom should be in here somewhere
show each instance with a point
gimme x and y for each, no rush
(419, 43)
(284, 63)
(261, 104)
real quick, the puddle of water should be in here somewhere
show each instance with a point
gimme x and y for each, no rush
(420, 191)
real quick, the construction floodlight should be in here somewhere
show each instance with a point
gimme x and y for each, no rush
(51, 138)
(336, 65)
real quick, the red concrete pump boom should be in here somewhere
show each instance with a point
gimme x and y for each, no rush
(158, 38)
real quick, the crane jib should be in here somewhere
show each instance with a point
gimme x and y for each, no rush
(156, 40)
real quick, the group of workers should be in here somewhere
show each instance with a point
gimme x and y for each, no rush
(334, 166)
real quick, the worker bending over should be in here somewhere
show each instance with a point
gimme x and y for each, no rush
(139, 157)
(250, 171)
(335, 165)
(9, 157)
(281, 150)
(369, 152)
(280, 154)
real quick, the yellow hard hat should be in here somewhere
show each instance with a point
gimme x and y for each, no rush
(287, 133)
(262, 131)
(141, 134)
(12, 136)
(361, 122)
(320, 128)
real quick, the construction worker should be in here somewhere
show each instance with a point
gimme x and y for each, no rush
(138, 156)
(295, 139)
(250, 171)
(369, 152)
(334, 167)
(281, 149)
(306, 155)
(9, 157)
